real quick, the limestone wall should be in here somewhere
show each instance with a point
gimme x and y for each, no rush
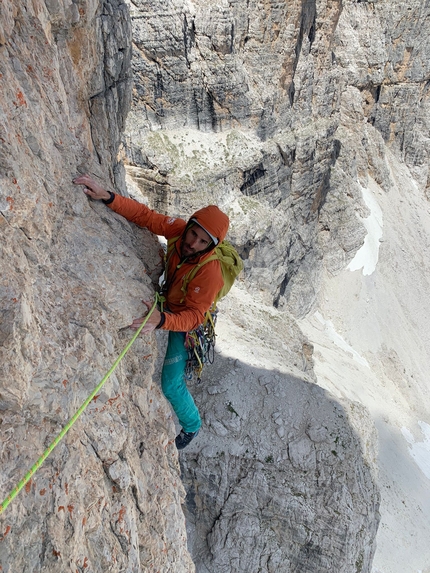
(72, 276)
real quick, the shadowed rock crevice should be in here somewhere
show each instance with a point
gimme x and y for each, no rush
(307, 26)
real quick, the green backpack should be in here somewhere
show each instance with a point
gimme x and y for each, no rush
(230, 262)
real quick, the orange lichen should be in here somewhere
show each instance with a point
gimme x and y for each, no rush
(8, 528)
(112, 400)
(20, 97)
(121, 514)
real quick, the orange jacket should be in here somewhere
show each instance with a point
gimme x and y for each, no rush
(202, 289)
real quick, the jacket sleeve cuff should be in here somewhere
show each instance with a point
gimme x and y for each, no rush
(111, 198)
(162, 321)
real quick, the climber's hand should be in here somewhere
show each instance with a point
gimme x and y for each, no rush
(153, 320)
(92, 189)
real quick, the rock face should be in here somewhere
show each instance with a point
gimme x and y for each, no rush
(299, 98)
(108, 498)
(264, 72)
(384, 69)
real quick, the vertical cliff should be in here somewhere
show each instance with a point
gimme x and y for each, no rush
(261, 77)
(72, 277)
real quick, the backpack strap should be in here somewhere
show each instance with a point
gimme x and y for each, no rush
(170, 247)
(230, 263)
(192, 273)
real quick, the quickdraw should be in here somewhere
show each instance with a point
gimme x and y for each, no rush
(200, 345)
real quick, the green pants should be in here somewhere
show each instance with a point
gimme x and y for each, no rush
(174, 386)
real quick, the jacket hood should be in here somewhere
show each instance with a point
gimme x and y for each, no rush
(213, 221)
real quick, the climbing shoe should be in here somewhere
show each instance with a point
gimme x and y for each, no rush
(184, 438)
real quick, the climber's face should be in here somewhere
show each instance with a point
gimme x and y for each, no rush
(195, 241)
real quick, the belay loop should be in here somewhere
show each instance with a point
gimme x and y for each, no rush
(200, 345)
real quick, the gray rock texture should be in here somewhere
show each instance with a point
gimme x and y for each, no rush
(382, 57)
(300, 98)
(281, 113)
(72, 277)
(259, 69)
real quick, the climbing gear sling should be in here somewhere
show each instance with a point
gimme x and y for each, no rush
(200, 345)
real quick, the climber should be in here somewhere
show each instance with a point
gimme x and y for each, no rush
(182, 312)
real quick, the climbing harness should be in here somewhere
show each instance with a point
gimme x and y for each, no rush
(200, 345)
(73, 419)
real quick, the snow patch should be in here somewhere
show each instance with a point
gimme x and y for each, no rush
(366, 258)
(420, 451)
(338, 340)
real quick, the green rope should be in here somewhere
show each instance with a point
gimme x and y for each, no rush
(72, 420)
